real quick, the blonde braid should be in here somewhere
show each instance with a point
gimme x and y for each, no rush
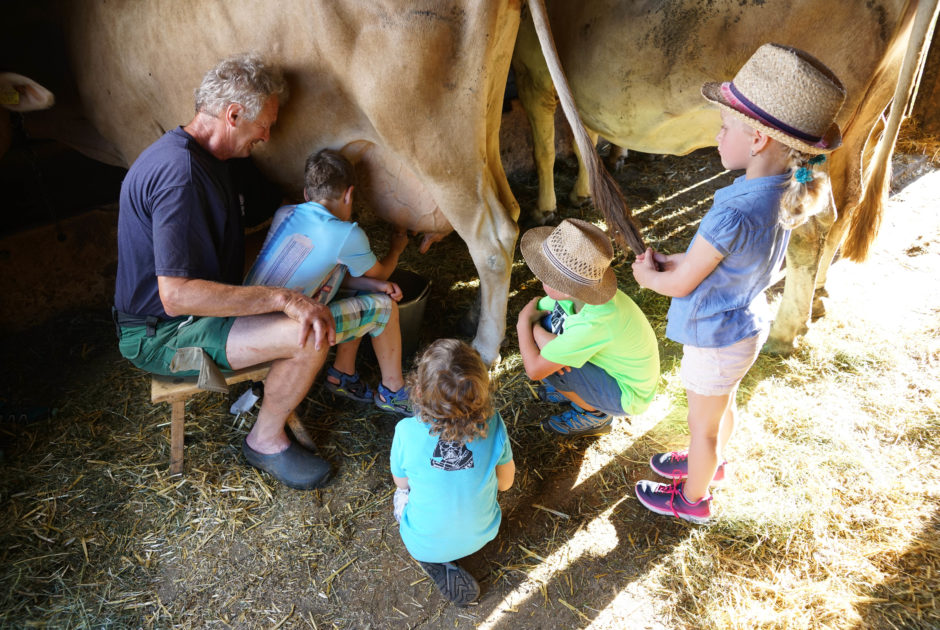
(808, 191)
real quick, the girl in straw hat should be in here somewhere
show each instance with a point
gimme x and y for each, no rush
(778, 122)
(588, 342)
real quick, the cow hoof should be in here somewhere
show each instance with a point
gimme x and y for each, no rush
(819, 307)
(779, 347)
(578, 201)
(537, 218)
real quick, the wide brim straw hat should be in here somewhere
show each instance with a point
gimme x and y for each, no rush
(786, 93)
(572, 258)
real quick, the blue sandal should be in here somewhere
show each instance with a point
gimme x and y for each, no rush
(395, 402)
(350, 386)
(548, 393)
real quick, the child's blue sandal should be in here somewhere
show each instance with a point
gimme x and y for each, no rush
(548, 393)
(349, 386)
(577, 421)
(394, 402)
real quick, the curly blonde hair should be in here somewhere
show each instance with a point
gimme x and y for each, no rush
(451, 391)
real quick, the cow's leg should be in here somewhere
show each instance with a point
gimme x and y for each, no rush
(833, 241)
(581, 192)
(539, 104)
(807, 244)
(490, 235)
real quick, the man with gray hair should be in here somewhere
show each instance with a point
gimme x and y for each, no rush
(181, 259)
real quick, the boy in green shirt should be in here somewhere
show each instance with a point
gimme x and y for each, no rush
(587, 342)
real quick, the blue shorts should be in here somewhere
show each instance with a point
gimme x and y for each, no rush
(595, 386)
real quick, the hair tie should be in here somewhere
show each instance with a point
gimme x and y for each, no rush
(803, 175)
(817, 159)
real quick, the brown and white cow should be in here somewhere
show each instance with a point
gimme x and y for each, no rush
(413, 89)
(19, 94)
(635, 69)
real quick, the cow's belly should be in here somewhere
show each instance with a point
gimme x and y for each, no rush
(387, 186)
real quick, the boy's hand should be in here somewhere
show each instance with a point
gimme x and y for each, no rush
(393, 291)
(530, 313)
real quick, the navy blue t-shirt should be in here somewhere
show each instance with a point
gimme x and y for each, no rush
(181, 214)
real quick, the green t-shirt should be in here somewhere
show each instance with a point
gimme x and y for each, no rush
(614, 336)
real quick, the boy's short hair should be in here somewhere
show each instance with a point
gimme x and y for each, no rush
(327, 175)
(450, 390)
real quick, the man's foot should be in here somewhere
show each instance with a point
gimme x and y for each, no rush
(348, 385)
(295, 467)
(453, 581)
(393, 402)
(668, 500)
(548, 393)
(675, 465)
(577, 421)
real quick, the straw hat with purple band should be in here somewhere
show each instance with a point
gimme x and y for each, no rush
(573, 258)
(786, 93)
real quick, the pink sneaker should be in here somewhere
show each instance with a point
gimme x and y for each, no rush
(675, 465)
(667, 499)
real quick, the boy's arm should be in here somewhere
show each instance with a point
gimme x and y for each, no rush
(384, 267)
(680, 275)
(365, 283)
(536, 366)
(402, 482)
(505, 475)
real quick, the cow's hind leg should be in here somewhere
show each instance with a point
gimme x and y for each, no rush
(806, 249)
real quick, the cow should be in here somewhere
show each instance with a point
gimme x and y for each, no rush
(412, 90)
(19, 94)
(635, 70)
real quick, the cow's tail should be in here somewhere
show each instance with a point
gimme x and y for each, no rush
(608, 198)
(866, 220)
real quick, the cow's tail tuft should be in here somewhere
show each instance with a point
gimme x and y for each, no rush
(608, 198)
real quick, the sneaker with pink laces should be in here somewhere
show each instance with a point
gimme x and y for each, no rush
(675, 465)
(667, 499)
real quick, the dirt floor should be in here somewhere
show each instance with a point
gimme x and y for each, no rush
(93, 532)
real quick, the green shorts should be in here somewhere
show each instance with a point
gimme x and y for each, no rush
(153, 354)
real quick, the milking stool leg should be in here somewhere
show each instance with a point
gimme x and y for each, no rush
(177, 433)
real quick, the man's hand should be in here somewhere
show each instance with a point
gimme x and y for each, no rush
(312, 317)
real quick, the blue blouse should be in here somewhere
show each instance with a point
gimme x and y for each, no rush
(729, 304)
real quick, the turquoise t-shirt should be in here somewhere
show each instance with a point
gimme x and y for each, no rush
(452, 509)
(304, 244)
(614, 336)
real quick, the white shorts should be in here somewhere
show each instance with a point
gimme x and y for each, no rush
(717, 371)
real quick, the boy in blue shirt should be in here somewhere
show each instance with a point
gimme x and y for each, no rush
(314, 247)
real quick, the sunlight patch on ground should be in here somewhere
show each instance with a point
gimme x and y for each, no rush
(597, 539)
(626, 431)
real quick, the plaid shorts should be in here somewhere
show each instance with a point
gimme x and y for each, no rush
(360, 314)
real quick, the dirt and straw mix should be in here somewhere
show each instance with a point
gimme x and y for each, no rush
(831, 520)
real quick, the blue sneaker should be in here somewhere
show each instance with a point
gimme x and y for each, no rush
(395, 402)
(577, 421)
(667, 499)
(548, 393)
(350, 386)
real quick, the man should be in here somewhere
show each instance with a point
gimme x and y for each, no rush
(181, 261)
